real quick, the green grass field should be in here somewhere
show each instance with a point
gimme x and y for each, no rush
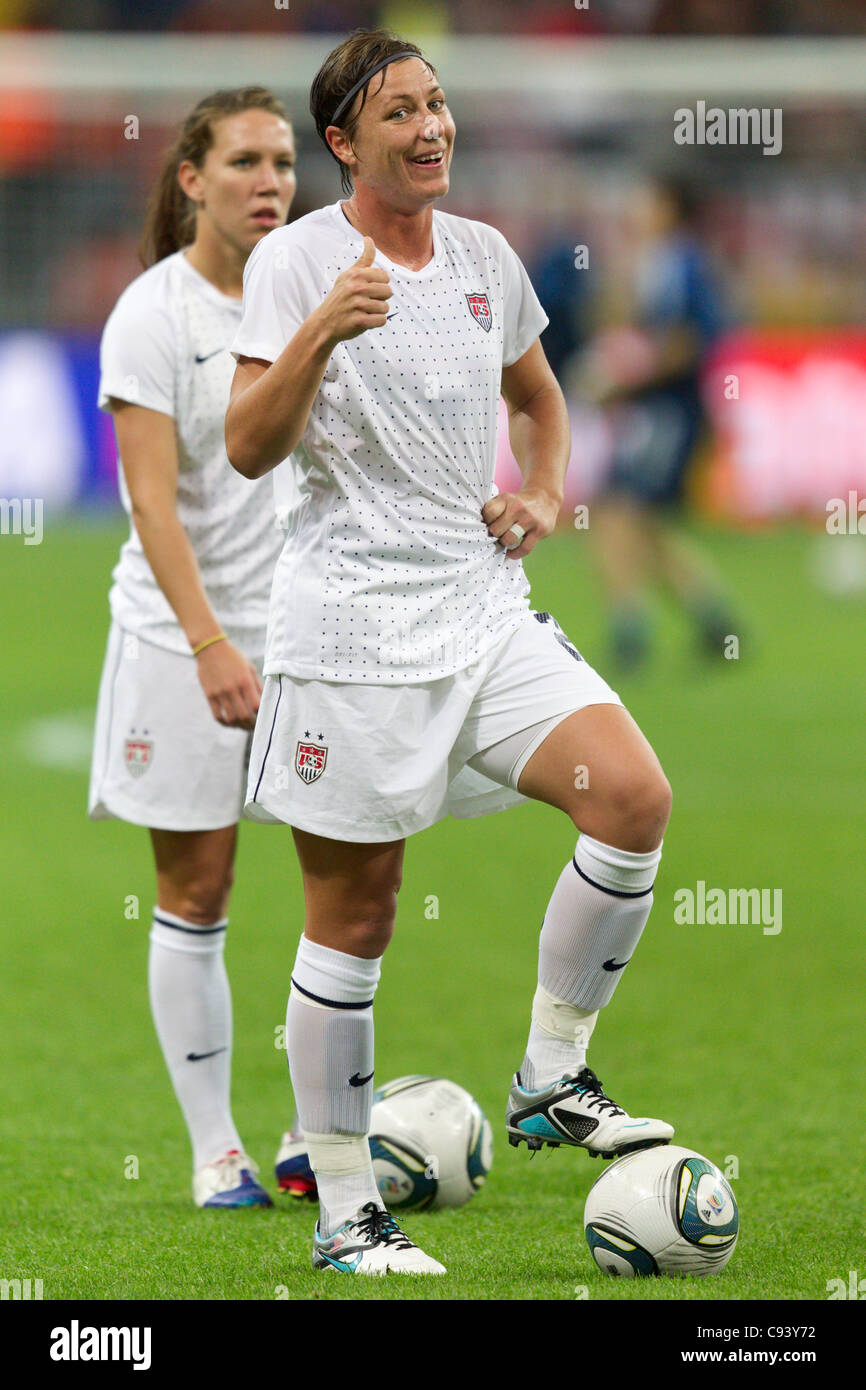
(749, 1043)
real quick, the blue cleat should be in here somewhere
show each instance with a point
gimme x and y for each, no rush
(229, 1182)
(292, 1169)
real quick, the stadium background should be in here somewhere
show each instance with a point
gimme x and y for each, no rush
(559, 112)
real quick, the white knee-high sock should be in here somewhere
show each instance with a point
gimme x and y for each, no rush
(329, 1034)
(192, 1009)
(591, 928)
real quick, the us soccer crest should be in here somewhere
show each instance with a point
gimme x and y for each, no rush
(138, 754)
(310, 759)
(479, 308)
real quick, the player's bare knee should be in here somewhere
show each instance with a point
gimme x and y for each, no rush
(367, 936)
(632, 815)
(203, 901)
(643, 814)
(375, 898)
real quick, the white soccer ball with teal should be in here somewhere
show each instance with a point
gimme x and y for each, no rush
(430, 1143)
(664, 1210)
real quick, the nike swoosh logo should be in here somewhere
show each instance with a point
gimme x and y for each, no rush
(208, 355)
(358, 1080)
(612, 964)
(345, 1266)
(394, 315)
(200, 1056)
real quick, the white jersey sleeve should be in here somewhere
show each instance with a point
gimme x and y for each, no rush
(524, 318)
(277, 300)
(137, 356)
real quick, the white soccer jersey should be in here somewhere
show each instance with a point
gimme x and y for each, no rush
(387, 572)
(165, 346)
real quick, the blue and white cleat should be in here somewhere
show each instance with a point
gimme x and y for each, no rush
(371, 1243)
(576, 1111)
(229, 1182)
(292, 1168)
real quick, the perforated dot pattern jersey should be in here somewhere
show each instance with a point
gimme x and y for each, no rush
(388, 573)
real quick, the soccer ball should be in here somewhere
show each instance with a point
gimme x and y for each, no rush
(664, 1210)
(430, 1143)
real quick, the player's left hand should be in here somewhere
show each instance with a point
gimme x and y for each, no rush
(536, 511)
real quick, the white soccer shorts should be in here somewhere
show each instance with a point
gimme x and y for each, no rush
(373, 763)
(160, 759)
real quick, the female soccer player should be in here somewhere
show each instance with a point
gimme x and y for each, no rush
(406, 675)
(180, 687)
(657, 417)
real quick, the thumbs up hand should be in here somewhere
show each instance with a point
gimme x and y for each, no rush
(368, 255)
(359, 298)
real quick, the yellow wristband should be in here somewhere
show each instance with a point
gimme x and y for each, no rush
(220, 637)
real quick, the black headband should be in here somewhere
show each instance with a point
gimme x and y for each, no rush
(395, 58)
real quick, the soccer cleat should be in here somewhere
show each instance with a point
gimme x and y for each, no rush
(292, 1168)
(371, 1243)
(576, 1111)
(229, 1182)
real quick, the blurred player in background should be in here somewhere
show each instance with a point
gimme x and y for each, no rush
(563, 296)
(407, 678)
(648, 376)
(180, 686)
